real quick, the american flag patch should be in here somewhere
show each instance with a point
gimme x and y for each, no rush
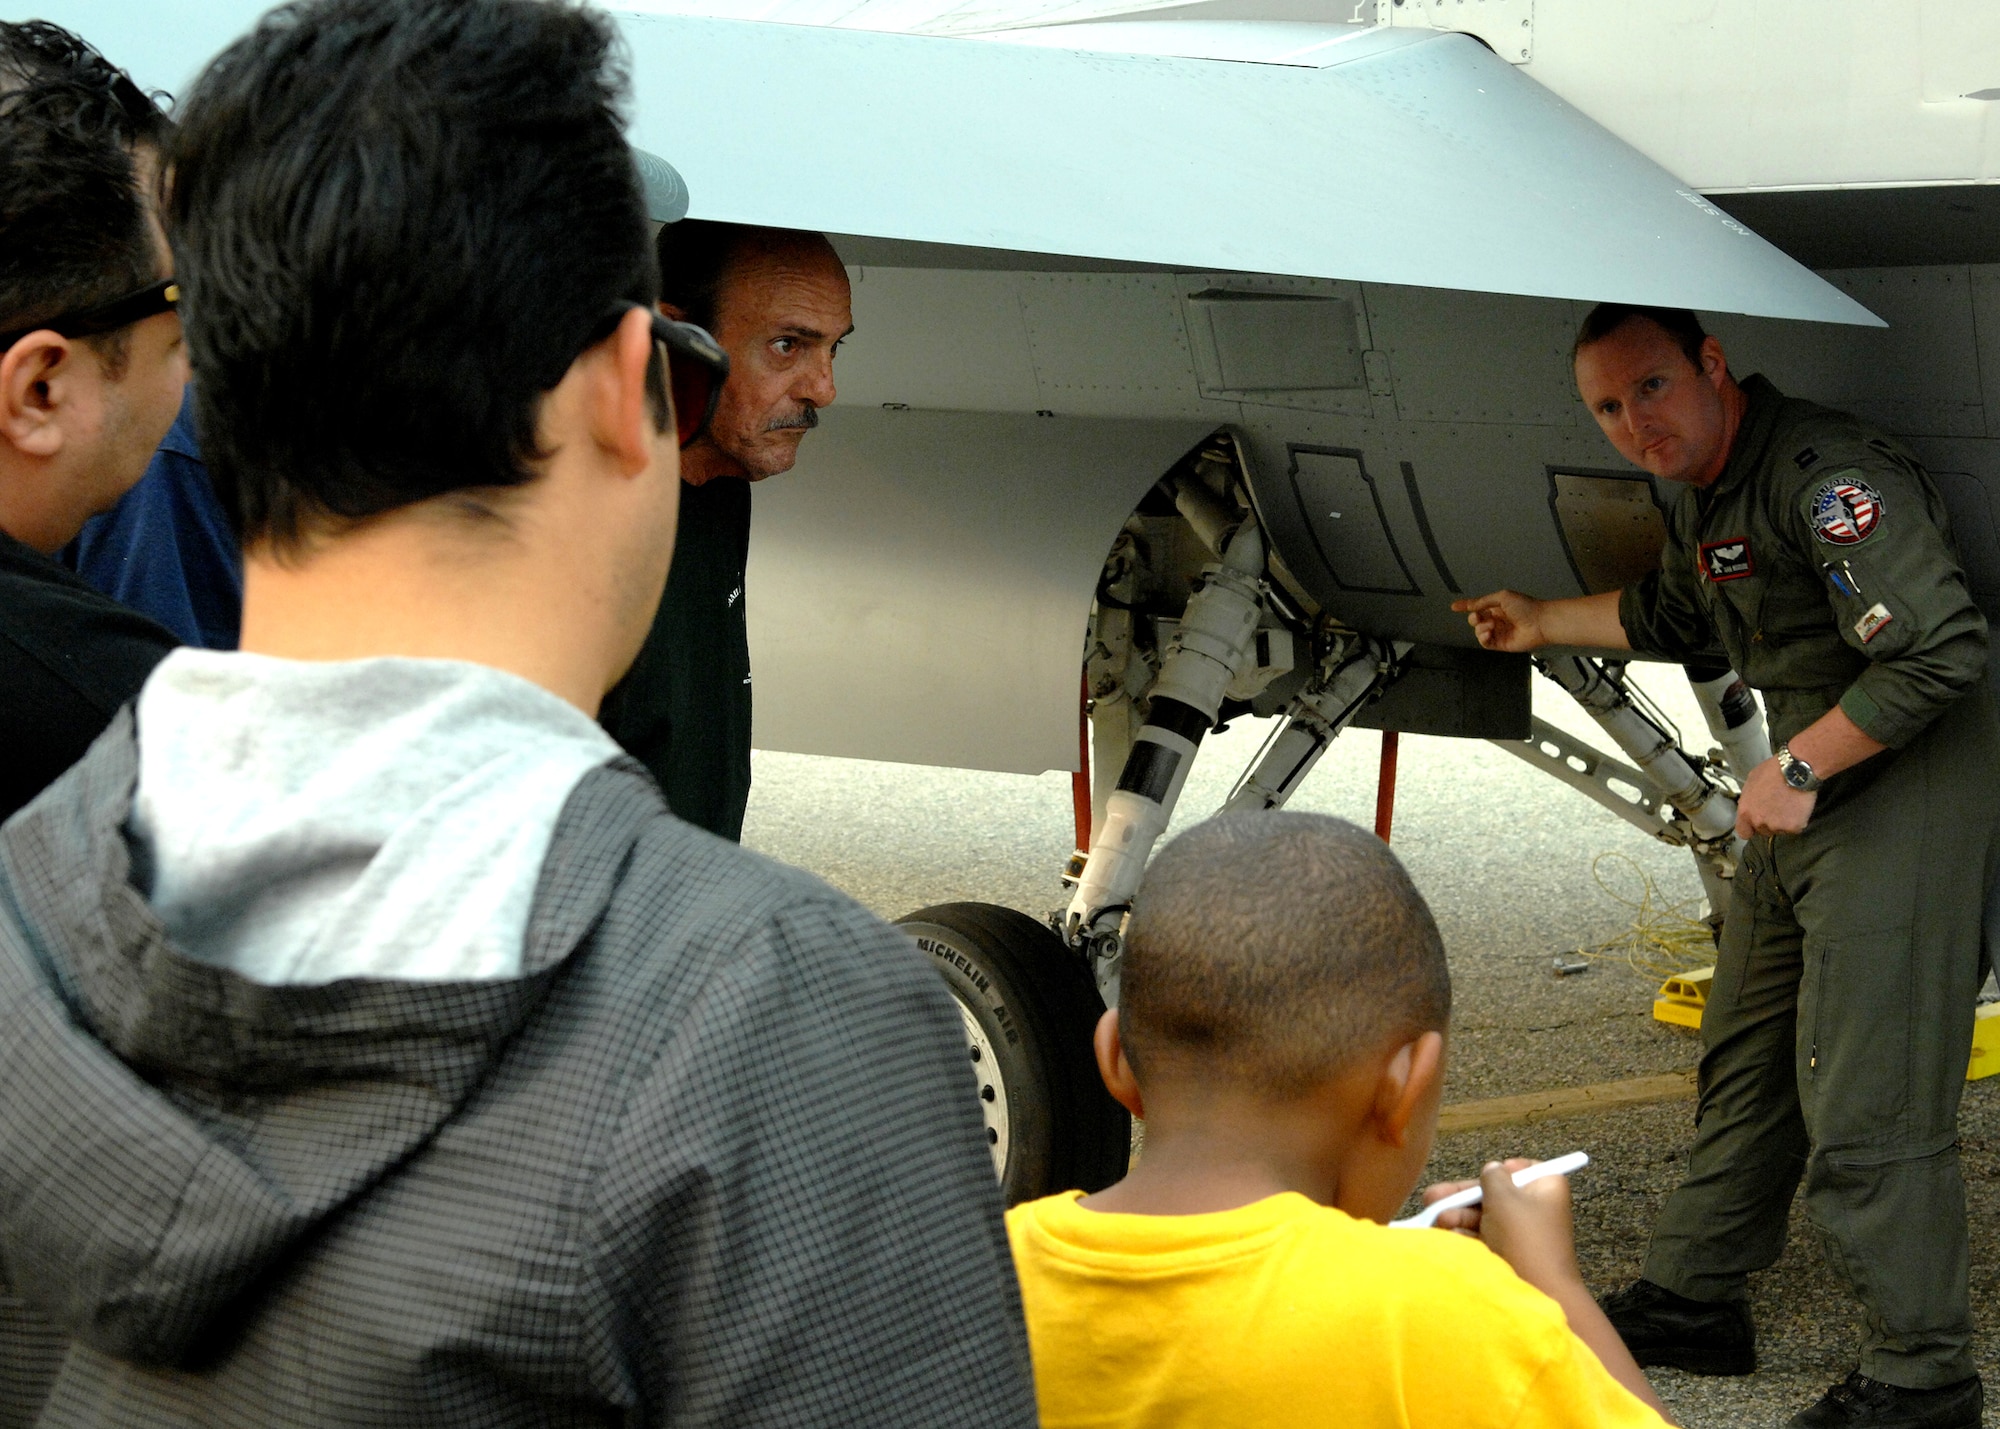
(1845, 510)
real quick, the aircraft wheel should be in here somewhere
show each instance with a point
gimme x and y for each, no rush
(1030, 1006)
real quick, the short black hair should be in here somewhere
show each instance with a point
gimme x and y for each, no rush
(695, 254)
(73, 224)
(1275, 949)
(398, 222)
(1606, 318)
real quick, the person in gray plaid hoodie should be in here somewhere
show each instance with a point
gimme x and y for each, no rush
(375, 1046)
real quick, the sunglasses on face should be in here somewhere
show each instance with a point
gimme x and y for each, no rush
(696, 368)
(149, 301)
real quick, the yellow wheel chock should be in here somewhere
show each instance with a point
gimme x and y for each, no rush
(1682, 997)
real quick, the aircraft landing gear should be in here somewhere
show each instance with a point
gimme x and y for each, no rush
(1030, 1008)
(1031, 993)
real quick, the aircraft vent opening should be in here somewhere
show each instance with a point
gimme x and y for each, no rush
(1279, 342)
(1611, 525)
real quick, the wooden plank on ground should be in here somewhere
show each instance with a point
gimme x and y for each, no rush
(1566, 1101)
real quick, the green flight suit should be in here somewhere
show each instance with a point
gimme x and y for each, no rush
(1839, 1023)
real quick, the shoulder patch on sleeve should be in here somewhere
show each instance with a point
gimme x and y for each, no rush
(1845, 510)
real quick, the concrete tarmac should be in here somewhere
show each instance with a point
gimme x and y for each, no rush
(1505, 855)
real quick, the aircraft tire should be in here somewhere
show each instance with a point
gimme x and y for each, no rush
(1030, 1007)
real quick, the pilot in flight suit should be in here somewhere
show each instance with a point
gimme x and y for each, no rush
(1839, 1022)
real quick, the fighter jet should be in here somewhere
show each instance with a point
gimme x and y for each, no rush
(1206, 352)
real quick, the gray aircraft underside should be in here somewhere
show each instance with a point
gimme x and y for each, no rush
(922, 581)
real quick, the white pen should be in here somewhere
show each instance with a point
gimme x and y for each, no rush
(1473, 1195)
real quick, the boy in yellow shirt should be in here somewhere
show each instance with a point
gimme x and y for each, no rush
(1281, 1029)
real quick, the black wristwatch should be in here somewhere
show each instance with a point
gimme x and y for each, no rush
(1798, 774)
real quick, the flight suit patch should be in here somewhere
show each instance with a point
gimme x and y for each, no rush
(1845, 510)
(1871, 623)
(1728, 560)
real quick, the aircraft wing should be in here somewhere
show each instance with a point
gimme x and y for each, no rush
(1376, 155)
(1330, 151)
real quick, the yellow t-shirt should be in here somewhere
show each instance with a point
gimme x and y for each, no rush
(1286, 1312)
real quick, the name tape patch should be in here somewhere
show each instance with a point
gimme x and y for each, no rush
(1872, 620)
(1845, 510)
(1728, 560)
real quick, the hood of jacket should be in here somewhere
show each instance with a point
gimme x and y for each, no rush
(170, 1127)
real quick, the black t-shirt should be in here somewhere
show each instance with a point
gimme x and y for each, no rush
(69, 660)
(683, 710)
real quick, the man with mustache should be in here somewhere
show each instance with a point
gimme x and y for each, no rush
(778, 302)
(1816, 552)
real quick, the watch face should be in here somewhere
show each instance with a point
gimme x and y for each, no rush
(1797, 775)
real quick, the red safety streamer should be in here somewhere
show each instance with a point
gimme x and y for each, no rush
(1385, 787)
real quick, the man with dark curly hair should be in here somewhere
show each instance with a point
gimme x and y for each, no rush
(375, 1047)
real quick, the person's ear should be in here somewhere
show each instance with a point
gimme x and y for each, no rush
(1409, 1085)
(621, 416)
(36, 377)
(1114, 1067)
(1714, 366)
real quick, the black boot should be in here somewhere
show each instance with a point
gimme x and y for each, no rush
(1859, 1402)
(1699, 1336)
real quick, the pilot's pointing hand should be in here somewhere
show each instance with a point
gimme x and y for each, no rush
(1505, 620)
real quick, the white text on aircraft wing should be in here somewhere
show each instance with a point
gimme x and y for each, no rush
(917, 17)
(1282, 42)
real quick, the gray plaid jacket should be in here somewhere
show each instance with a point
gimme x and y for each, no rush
(714, 1161)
